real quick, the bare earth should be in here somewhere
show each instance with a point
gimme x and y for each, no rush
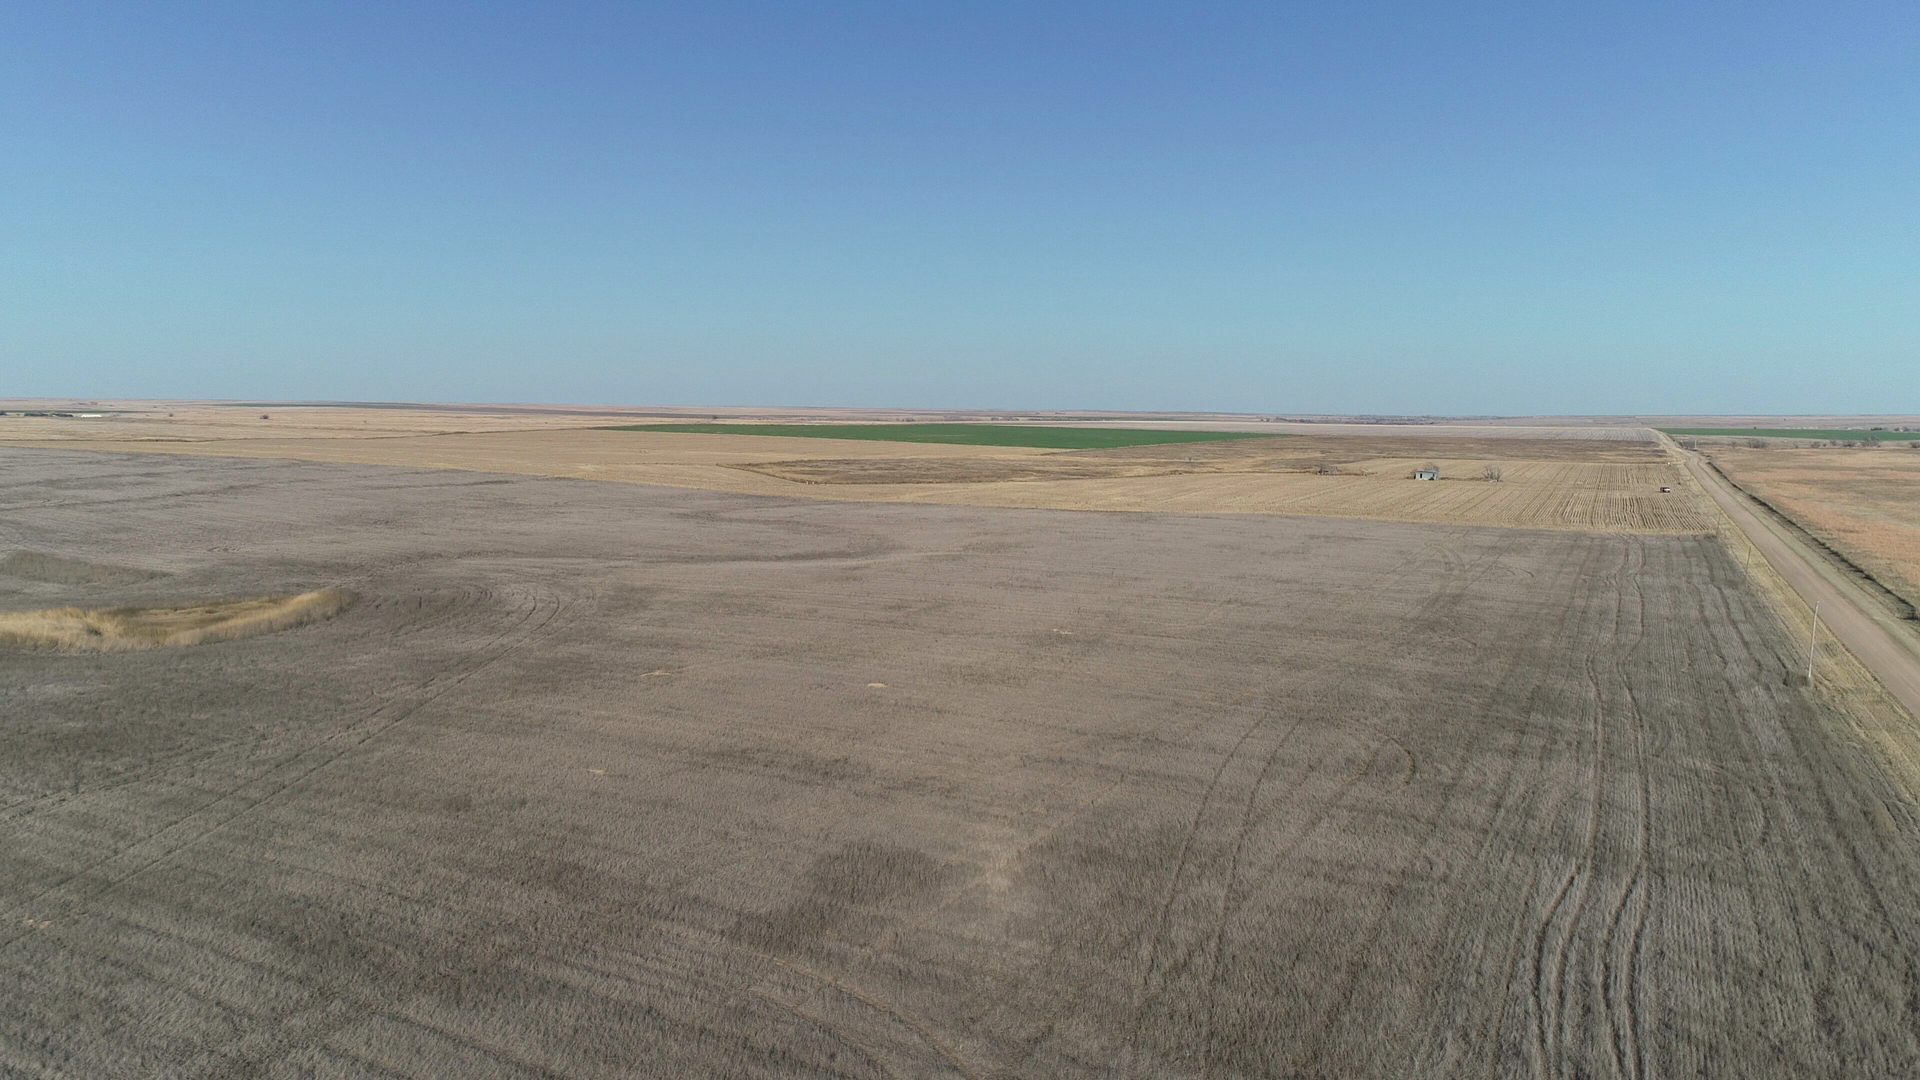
(611, 779)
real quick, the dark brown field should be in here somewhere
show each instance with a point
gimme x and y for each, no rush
(613, 780)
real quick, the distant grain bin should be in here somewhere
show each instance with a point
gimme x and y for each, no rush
(1429, 473)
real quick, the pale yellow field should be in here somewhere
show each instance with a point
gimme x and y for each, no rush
(1585, 483)
(107, 629)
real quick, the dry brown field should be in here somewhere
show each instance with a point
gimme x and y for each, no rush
(614, 779)
(1865, 503)
(1590, 477)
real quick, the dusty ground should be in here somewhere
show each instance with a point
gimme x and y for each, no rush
(1571, 477)
(1863, 502)
(606, 779)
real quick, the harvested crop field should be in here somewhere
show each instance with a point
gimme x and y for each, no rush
(1865, 503)
(1547, 483)
(609, 779)
(1539, 495)
(1080, 437)
(1801, 434)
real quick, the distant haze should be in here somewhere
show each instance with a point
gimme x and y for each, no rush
(1496, 209)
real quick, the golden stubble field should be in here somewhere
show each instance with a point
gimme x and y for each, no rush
(1864, 502)
(1572, 478)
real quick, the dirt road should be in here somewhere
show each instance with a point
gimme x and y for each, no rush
(1886, 647)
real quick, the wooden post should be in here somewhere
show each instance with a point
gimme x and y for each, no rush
(1812, 633)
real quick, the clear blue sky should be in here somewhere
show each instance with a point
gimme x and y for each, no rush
(1304, 207)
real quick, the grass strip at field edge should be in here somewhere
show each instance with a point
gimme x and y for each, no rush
(1057, 438)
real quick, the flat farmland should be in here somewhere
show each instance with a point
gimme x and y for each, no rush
(613, 779)
(1865, 503)
(1052, 436)
(1602, 480)
(1531, 494)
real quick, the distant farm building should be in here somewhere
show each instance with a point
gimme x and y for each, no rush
(1426, 474)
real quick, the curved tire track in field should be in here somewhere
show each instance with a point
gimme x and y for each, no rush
(945, 1058)
(1489, 963)
(1516, 669)
(1159, 940)
(1550, 987)
(1432, 616)
(1599, 977)
(1582, 968)
(1621, 958)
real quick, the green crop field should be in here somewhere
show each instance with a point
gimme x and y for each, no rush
(1063, 438)
(1837, 434)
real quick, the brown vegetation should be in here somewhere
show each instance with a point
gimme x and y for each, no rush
(1865, 503)
(931, 791)
(103, 629)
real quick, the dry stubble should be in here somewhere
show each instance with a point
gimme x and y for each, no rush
(928, 791)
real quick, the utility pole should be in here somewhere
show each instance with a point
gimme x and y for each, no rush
(1812, 633)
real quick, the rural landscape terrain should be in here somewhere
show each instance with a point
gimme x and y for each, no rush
(1860, 502)
(351, 741)
(1552, 474)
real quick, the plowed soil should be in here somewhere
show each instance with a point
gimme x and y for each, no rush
(617, 780)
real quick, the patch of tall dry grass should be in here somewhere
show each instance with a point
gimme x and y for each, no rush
(71, 629)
